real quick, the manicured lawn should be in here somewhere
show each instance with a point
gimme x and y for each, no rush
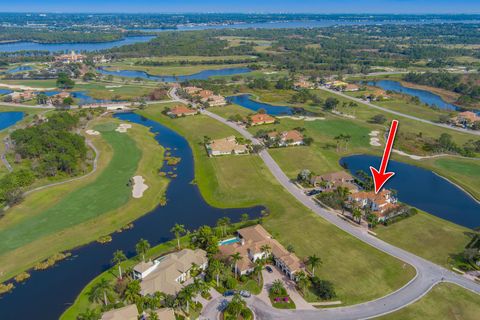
(171, 70)
(239, 181)
(32, 83)
(117, 92)
(445, 302)
(85, 209)
(439, 238)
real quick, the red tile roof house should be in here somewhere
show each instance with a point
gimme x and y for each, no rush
(287, 138)
(260, 118)
(180, 111)
(330, 181)
(250, 246)
(378, 203)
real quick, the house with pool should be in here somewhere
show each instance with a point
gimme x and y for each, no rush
(169, 273)
(225, 146)
(379, 203)
(255, 243)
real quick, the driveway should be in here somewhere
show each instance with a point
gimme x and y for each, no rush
(269, 278)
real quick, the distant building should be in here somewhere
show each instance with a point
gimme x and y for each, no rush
(251, 244)
(215, 101)
(304, 84)
(165, 314)
(287, 138)
(465, 119)
(351, 87)
(191, 90)
(129, 312)
(168, 273)
(261, 118)
(226, 146)
(181, 110)
(19, 96)
(72, 57)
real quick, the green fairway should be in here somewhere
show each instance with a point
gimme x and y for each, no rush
(445, 302)
(238, 181)
(109, 191)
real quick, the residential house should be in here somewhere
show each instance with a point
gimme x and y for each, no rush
(168, 273)
(226, 146)
(204, 94)
(72, 57)
(165, 314)
(304, 84)
(251, 247)
(351, 87)
(379, 203)
(261, 118)
(287, 138)
(129, 312)
(191, 90)
(19, 96)
(181, 110)
(466, 118)
(330, 181)
(59, 97)
(214, 100)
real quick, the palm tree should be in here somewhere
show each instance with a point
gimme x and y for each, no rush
(357, 214)
(216, 268)
(178, 230)
(267, 249)
(223, 223)
(152, 315)
(277, 287)
(346, 139)
(257, 269)
(302, 281)
(185, 296)
(99, 291)
(343, 194)
(132, 292)
(118, 258)
(244, 217)
(90, 314)
(142, 247)
(235, 258)
(314, 261)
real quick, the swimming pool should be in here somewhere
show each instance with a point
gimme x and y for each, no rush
(228, 241)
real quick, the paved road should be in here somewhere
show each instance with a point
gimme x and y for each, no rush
(427, 273)
(474, 132)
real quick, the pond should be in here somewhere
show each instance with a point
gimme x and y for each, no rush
(5, 91)
(76, 46)
(20, 69)
(8, 119)
(423, 189)
(202, 75)
(51, 291)
(246, 101)
(425, 96)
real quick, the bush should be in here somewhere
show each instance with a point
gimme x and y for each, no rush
(231, 283)
(323, 288)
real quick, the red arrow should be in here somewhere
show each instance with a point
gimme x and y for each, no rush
(380, 177)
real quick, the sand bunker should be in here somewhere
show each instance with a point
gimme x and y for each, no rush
(374, 140)
(123, 127)
(304, 118)
(139, 187)
(92, 133)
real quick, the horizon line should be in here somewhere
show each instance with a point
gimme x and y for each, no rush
(246, 13)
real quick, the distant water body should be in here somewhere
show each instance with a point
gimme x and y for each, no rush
(8, 119)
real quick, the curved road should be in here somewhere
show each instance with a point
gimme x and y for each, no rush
(474, 132)
(427, 275)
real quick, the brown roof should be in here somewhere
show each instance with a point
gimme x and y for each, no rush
(261, 118)
(336, 176)
(165, 314)
(469, 116)
(293, 135)
(227, 144)
(180, 109)
(129, 312)
(205, 93)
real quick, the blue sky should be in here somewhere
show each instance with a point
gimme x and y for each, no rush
(310, 6)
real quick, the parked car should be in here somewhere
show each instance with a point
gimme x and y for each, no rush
(229, 293)
(313, 192)
(245, 294)
(269, 269)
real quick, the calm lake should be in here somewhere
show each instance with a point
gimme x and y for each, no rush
(64, 282)
(246, 101)
(424, 95)
(80, 47)
(202, 75)
(8, 119)
(423, 189)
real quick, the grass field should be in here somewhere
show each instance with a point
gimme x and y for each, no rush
(446, 301)
(170, 70)
(62, 217)
(227, 182)
(32, 83)
(113, 91)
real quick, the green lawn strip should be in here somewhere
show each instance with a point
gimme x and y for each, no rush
(440, 239)
(239, 181)
(113, 91)
(171, 70)
(32, 83)
(446, 301)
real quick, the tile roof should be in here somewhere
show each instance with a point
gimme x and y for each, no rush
(129, 312)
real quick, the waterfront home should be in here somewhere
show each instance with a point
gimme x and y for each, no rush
(204, 94)
(168, 273)
(19, 96)
(256, 243)
(191, 90)
(72, 57)
(214, 100)
(260, 118)
(351, 87)
(224, 146)
(465, 119)
(379, 203)
(180, 110)
(129, 312)
(287, 138)
(331, 181)
(59, 97)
